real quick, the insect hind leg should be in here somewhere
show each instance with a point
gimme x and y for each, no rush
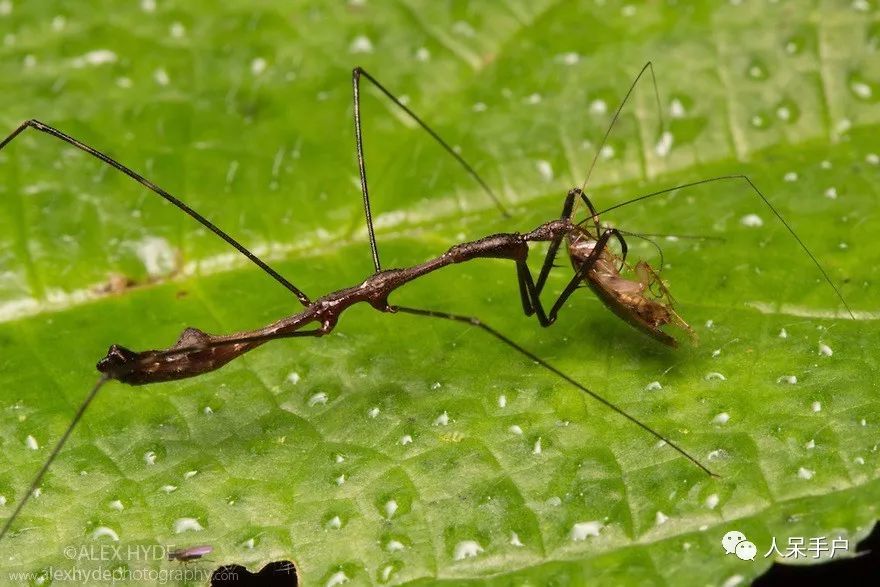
(474, 321)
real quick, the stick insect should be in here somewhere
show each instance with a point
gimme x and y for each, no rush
(643, 302)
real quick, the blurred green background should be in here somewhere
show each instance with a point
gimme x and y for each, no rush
(385, 453)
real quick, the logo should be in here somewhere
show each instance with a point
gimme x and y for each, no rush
(735, 542)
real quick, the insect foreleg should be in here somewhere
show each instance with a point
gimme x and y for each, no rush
(581, 272)
(54, 132)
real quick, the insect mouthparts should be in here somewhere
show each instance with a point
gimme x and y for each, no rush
(117, 361)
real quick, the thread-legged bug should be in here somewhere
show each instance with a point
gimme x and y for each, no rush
(635, 293)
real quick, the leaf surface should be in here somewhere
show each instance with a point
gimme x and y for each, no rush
(397, 447)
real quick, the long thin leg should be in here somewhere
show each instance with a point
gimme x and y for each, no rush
(530, 355)
(614, 118)
(356, 76)
(550, 257)
(37, 125)
(58, 446)
(764, 199)
(593, 216)
(523, 278)
(531, 296)
(584, 268)
(567, 209)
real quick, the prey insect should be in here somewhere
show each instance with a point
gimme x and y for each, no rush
(635, 293)
(190, 553)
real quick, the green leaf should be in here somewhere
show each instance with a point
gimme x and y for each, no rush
(385, 452)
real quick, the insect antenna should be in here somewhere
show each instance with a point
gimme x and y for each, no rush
(58, 446)
(356, 75)
(49, 130)
(569, 210)
(745, 178)
(648, 66)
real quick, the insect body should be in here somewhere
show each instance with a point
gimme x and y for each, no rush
(190, 553)
(642, 301)
(645, 302)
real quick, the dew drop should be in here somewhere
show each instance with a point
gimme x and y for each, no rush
(751, 220)
(361, 44)
(390, 508)
(337, 578)
(861, 90)
(757, 71)
(182, 525)
(160, 76)
(598, 106)
(466, 549)
(104, 531)
(545, 170)
(319, 398)
(583, 530)
(664, 145)
(258, 66)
